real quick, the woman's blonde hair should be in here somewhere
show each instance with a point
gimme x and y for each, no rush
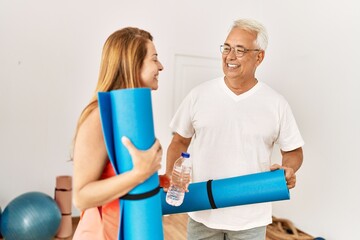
(122, 57)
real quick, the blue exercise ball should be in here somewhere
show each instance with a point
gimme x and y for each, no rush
(31, 216)
(0, 223)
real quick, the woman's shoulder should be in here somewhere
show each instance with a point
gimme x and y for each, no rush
(92, 121)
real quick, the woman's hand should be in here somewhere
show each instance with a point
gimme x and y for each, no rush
(145, 163)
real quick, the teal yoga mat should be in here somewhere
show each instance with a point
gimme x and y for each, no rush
(228, 192)
(128, 112)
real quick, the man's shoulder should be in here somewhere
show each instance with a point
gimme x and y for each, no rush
(271, 91)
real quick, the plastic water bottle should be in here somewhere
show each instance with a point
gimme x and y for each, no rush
(180, 179)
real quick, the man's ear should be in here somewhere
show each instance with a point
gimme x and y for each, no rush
(260, 57)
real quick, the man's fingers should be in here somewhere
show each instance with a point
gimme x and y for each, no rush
(275, 166)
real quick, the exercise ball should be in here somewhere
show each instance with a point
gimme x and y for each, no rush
(31, 216)
(0, 223)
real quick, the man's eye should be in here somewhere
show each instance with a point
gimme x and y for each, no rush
(240, 50)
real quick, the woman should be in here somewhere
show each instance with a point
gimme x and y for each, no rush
(129, 60)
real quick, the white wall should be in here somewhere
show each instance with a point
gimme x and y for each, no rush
(49, 59)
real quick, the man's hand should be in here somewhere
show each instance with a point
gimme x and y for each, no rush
(164, 182)
(289, 175)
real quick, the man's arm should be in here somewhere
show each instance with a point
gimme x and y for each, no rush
(178, 145)
(291, 162)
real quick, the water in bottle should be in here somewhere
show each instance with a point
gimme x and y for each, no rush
(180, 179)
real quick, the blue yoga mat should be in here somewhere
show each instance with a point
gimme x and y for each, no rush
(228, 192)
(128, 112)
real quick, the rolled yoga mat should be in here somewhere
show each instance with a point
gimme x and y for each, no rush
(228, 192)
(128, 112)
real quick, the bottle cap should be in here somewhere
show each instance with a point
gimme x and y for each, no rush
(185, 154)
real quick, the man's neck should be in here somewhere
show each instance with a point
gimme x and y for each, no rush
(238, 87)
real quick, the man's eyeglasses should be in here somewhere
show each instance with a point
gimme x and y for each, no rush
(239, 51)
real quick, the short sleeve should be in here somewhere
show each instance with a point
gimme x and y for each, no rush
(181, 123)
(289, 136)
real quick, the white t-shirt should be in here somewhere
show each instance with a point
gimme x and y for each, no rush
(234, 135)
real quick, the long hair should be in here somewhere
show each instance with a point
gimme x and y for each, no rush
(122, 57)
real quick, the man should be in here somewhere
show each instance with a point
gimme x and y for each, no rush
(233, 123)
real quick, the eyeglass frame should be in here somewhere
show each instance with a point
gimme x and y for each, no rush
(246, 50)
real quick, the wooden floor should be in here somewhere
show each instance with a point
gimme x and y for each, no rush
(174, 226)
(175, 229)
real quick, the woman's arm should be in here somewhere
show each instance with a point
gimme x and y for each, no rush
(90, 158)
